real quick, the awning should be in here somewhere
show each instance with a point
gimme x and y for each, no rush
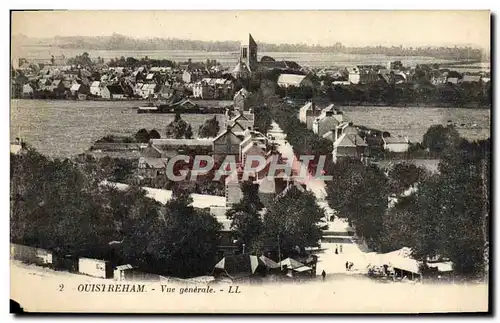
(291, 263)
(302, 269)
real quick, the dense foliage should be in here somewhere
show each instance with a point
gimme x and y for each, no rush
(179, 129)
(285, 228)
(438, 138)
(303, 140)
(62, 206)
(209, 129)
(445, 215)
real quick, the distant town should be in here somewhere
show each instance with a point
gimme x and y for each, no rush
(125, 78)
(396, 210)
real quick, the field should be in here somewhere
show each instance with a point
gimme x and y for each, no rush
(64, 128)
(229, 59)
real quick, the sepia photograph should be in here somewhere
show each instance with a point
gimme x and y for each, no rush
(250, 161)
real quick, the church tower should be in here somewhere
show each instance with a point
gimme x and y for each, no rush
(248, 53)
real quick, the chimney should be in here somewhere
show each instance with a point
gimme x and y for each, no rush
(336, 133)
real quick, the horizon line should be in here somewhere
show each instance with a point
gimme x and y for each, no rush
(459, 45)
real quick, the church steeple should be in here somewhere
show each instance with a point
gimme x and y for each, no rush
(248, 53)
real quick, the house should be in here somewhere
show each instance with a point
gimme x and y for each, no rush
(396, 144)
(67, 84)
(96, 88)
(348, 143)
(137, 89)
(113, 92)
(308, 113)
(150, 77)
(148, 90)
(233, 192)
(80, 90)
(130, 273)
(95, 267)
(288, 80)
(237, 128)
(190, 76)
(242, 99)
(470, 79)
(354, 75)
(327, 120)
(367, 76)
(30, 254)
(245, 119)
(295, 268)
(452, 80)
(252, 149)
(27, 91)
(213, 88)
(438, 80)
(202, 90)
(170, 147)
(400, 77)
(226, 143)
(152, 167)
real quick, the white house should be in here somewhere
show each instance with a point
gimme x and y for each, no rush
(348, 143)
(396, 144)
(287, 80)
(96, 88)
(354, 75)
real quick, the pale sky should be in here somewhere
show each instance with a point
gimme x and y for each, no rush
(352, 28)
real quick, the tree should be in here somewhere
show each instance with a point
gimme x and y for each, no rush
(153, 134)
(245, 217)
(142, 136)
(179, 128)
(402, 176)
(447, 216)
(291, 221)
(438, 138)
(181, 242)
(209, 129)
(359, 193)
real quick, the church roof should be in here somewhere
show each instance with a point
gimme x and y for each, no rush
(240, 68)
(248, 41)
(251, 41)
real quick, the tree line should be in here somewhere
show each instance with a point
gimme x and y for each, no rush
(117, 41)
(437, 215)
(382, 93)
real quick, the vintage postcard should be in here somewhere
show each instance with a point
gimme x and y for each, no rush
(250, 161)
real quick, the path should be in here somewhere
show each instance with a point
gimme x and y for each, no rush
(338, 232)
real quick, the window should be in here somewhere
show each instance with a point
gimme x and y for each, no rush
(244, 53)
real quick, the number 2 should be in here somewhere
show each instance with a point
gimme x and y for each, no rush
(61, 287)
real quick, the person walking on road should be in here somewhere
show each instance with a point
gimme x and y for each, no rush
(340, 248)
(347, 265)
(323, 274)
